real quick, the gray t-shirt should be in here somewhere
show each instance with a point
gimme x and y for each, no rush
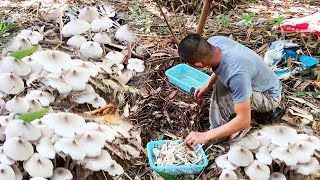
(243, 71)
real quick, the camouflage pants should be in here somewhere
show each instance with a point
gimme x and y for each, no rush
(222, 107)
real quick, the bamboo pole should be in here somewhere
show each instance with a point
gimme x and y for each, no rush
(204, 16)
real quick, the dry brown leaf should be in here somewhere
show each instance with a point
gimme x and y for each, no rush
(317, 84)
(262, 48)
(288, 119)
(172, 95)
(126, 110)
(303, 86)
(309, 116)
(301, 111)
(160, 54)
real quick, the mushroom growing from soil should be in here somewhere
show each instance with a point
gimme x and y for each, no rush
(38, 166)
(114, 169)
(101, 162)
(18, 149)
(277, 176)
(280, 135)
(98, 101)
(10, 83)
(312, 139)
(12, 65)
(88, 14)
(91, 49)
(77, 77)
(17, 172)
(17, 105)
(70, 147)
(75, 27)
(58, 82)
(19, 128)
(6, 172)
(257, 170)
(223, 162)
(45, 148)
(92, 143)
(92, 68)
(240, 156)
(18, 43)
(136, 65)
(263, 155)
(45, 98)
(115, 57)
(228, 175)
(101, 24)
(76, 41)
(285, 154)
(303, 151)
(34, 105)
(85, 96)
(61, 174)
(308, 168)
(4, 159)
(33, 36)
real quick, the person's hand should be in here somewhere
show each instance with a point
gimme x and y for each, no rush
(195, 138)
(198, 94)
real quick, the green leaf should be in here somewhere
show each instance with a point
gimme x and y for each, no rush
(318, 52)
(298, 93)
(167, 176)
(161, 137)
(213, 178)
(23, 53)
(28, 117)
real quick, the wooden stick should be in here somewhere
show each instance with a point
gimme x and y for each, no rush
(204, 16)
(165, 19)
(110, 105)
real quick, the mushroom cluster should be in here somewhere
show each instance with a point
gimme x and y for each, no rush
(36, 147)
(260, 152)
(176, 153)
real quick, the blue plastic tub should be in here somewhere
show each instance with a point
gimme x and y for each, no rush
(186, 77)
(174, 170)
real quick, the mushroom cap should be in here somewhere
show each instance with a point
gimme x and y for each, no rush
(131, 150)
(70, 147)
(308, 168)
(98, 101)
(17, 67)
(10, 83)
(52, 60)
(17, 172)
(124, 76)
(109, 132)
(86, 96)
(280, 135)
(92, 142)
(75, 27)
(106, 66)
(58, 82)
(19, 128)
(88, 14)
(34, 105)
(65, 124)
(45, 98)
(264, 141)
(313, 139)
(100, 162)
(240, 156)
(6, 172)
(33, 36)
(101, 24)
(77, 77)
(228, 175)
(115, 57)
(249, 142)
(114, 169)
(303, 151)
(107, 10)
(89, 66)
(38, 178)
(4, 159)
(257, 170)
(223, 162)
(38, 166)
(91, 49)
(123, 34)
(123, 128)
(61, 174)
(263, 155)
(102, 38)
(76, 41)
(136, 64)
(18, 43)
(45, 148)
(36, 70)
(277, 176)
(45, 130)
(285, 154)
(18, 105)
(17, 149)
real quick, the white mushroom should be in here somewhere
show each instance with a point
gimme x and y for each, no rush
(264, 141)
(35, 74)
(123, 128)
(131, 150)
(108, 132)
(100, 162)
(277, 176)
(12, 65)
(45, 98)
(18, 43)
(38, 166)
(102, 38)
(101, 24)
(86, 96)
(52, 60)
(61, 174)
(77, 77)
(34, 105)
(10, 83)
(89, 66)
(92, 143)
(75, 27)
(65, 124)
(91, 49)
(223, 162)
(115, 57)
(45, 148)
(98, 101)
(249, 142)
(263, 155)
(228, 175)
(19, 128)
(240, 156)
(280, 135)
(123, 34)
(88, 14)
(76, 41)
(33, 36)
(17, 149)
(124, 76)
(257, 170)
(285, 154)
(45, 130)
(308, 168)
(38, 178)
(17, 172)
(18, 105)
(58, 82)
(313, 139)
(70, 147)
(6, 172)
(4, 159)
(136, 65)
(303, 151)
(114, 169)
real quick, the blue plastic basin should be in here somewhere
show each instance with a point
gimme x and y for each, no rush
(186, 77)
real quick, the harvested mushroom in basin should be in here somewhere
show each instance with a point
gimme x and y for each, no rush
(176, 153)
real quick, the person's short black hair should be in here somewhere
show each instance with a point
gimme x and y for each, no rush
(194, 48)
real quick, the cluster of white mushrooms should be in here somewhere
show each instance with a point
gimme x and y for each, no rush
(47, 76)
(176, 153)
(277, 144)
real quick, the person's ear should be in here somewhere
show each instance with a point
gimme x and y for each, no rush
(199, 65)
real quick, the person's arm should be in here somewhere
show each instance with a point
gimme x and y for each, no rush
(241, 121)
(198, 94)
(212, 80)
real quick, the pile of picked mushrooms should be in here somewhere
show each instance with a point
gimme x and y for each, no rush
(275, 152)
(176, 153)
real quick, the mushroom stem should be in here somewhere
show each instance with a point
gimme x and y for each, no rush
(129, 50)
(282, 167)
(103, 49)
(291, 175)
(72, 165)
(78, 172)
(286, 170)
(67, 162)
(60, 26)
(86, 173)
(89, 35)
